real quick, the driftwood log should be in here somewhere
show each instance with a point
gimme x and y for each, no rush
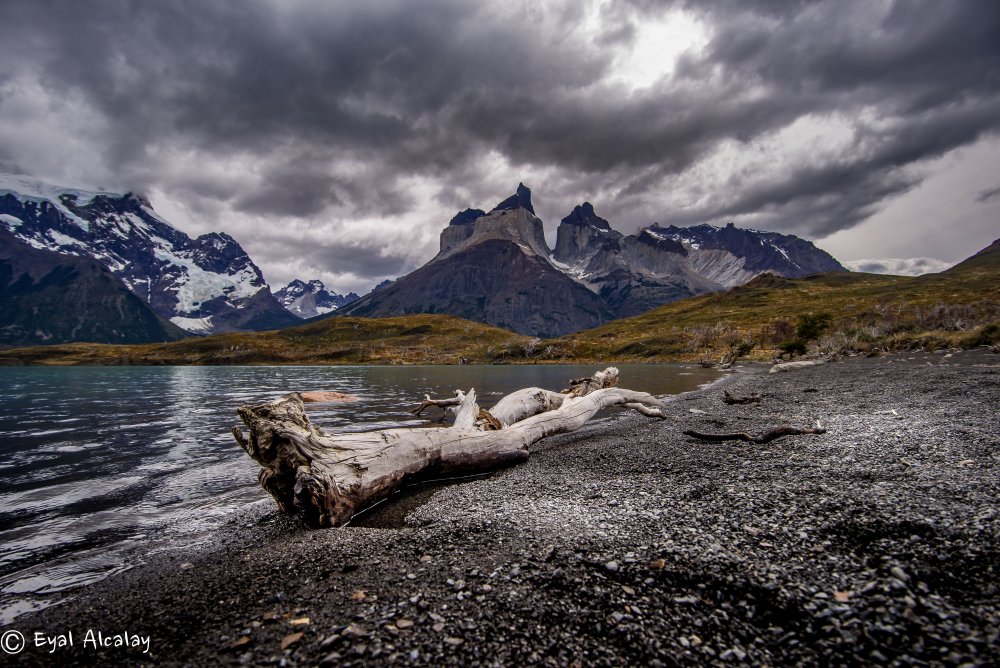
(443, 404)
(327, 478)
(765, 437)
(732, 399)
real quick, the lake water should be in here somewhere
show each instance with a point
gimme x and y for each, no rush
(101, 466)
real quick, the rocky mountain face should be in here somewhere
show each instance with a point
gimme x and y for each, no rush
(48, 297)
(494, 268)
(657, 265)
(497, 268)
(203, 285)
(308, 300)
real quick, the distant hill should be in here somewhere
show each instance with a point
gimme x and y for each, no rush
(415, 339)
(47, 297)
(869, 312)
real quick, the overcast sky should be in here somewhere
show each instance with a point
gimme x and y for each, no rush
(335, 139)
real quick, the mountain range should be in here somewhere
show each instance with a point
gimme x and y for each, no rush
(497, 268)
(308, 300)
(203, 285)
(493, 267)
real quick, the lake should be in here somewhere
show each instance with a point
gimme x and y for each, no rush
(103, 466)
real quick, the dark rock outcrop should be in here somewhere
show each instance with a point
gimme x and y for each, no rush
(494, 282)
(519, 200)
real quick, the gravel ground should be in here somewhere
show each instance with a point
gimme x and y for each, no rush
(627, 543)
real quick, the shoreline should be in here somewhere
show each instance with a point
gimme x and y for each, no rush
(628, 543)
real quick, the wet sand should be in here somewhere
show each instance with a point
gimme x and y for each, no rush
(626, 543)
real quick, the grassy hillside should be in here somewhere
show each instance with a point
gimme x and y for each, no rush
(845, 312)
(867, 312)
(414, 339)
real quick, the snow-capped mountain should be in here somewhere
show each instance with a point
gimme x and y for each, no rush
(308, 300)
(204, 285)
(657, 265)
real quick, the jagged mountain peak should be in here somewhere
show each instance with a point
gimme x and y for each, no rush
(206, 285)
(308, 300)
(584, 215)
(512, 220)
(521, 199)
(467, 217)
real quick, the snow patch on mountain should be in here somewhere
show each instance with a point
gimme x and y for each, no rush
(194, 325)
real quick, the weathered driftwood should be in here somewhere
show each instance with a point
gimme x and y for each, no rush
(732, 399)
(327, 478)
(322, 397)
(793, 366)
(766, 437)
(443, 404)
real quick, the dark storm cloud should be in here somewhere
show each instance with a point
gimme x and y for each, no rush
(988, 195)
(322, 110)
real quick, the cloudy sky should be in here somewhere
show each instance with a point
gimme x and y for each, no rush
(335, 139)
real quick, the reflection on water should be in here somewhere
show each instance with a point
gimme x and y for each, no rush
(101, 465)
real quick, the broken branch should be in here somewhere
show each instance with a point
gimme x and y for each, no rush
(765, 437)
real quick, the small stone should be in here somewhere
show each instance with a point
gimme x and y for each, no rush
(611, 566)
(424, 559)
(359, 595)
(617, 617)
(657, 564)
(290, 640)
(733, 653)
(301, 621)
(187, 565)
(899, 574)
(613, 502)
(438, 627)
(404, 623)
(453, 641)
(628, 590)
(355, 630)
(842, 596)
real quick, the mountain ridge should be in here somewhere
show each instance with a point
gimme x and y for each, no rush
(308, 300)
(205, 284)
(628, 274)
